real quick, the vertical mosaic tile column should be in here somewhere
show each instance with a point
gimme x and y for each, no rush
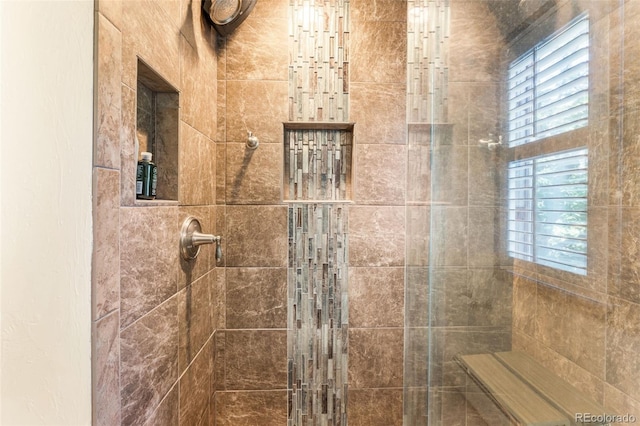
(317, 184)
(427, 60)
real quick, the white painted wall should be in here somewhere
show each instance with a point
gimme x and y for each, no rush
(45, 220)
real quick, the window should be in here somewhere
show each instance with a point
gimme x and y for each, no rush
(548, 86)
(547, 222)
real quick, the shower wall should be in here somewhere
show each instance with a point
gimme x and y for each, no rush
(154, 316)
(585, 329)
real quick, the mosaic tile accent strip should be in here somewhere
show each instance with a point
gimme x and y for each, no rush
(427, 60)
(318, 314)
(318, 164)
(319, 68)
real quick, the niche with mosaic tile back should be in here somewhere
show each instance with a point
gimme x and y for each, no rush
(318, 161)
(157, 124)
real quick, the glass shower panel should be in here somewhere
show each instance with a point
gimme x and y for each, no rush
(464, 293)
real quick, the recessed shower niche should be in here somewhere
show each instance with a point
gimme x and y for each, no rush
(317, 161)
(157, 124)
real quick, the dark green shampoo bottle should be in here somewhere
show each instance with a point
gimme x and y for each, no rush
(146, 178)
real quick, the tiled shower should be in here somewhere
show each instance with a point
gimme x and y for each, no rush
(364, 239)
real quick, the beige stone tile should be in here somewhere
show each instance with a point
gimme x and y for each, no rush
(108, 92)
(376, 297)
(620, 403)
(417, 312)
(484, 231)
(166, 145)
(450, 175)
(112, 10)
(195, 388)
(256, 236)
(256, 298)
(259, 48)
(379, 174)
(419, 173)
(255, 359)
(264, 408)
(194, 320)
(628, 286)
(167, 412)
(146, 26)
(377, 236)
(221, 172)
(371, 407)
(416, 349)
(623, 331)
(256, 106)
(218, 299)
(221, 134)
(197, 167)
(375, 358)
(105, 269)
(449, 236)
(378, 10)
(379, 113)
(128, 152)
(389, 41)
(149, 362)
(253, 176)
(490, 296)
(198, 97)
(418, 222)
(148, 259)
(524, 305)
(106, 373)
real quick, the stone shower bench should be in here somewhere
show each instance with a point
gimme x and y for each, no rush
(526, 391)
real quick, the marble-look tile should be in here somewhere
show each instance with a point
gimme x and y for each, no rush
(486, 176)
(112, 10)
(475, 43)
(375, 407)
(253, 176)
(221, 131)
(128, 152)
(221, 172)
(218, 298)
(491, 296)
(145, 27)
(450, 175)
(256, 298)
(195, 388)
(619, 402)
(149, 362)
(257, 50)
(450, 297)
(378, 10)
(106, 371)
(255, 359)
(379, 174)
(628, 159)
(417, 297)
(105, 268)
(524, 305)
(109, 65)
(449, 236)
(198, 97)
(377, 236)
(246, 247)
(256, 106)
(629, 285)
(197, 167)
(264, 408)
(389, 41)
(166, 143)
(418, 227)
(379, 113)
(599, 158)
(148, 259)
(376, 297)
(418, 173)
(416, 356)
(415, 406)
(194, 320)
(631, 56)
(453, 407)
(485, 111)
(623, 341)
(375, 358)
(484, 232)
(167, 413)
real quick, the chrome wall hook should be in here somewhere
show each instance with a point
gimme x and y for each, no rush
(252, 141)
(191, 238)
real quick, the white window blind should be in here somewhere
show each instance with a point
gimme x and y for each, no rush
(547, 221)
(548, 86)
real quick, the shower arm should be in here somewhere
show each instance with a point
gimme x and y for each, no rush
(191, 238)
